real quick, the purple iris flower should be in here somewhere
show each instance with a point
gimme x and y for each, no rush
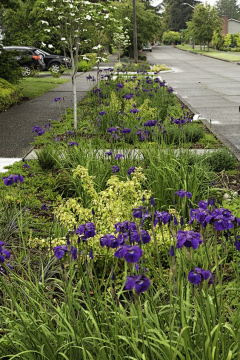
(115, 169)
(60, 251)
(102, 113)
(134, 111)
(74, 143)
(128, 96)
(188, 239)
(221, 218)
(126, 131)
(119, 86)
(44, 207)
(141, 213)
(130, 253)
(118, 156)
(73, 251)
(4, 254)
(171, 252)
(150, 123)
(26, 166)
(108, 153)
(203, 204)
(162, 216)
(197, 275)
(40, 131)
(11, 179)
(237, 243)
(86, 231)
(175, 222)
(143, 237)
(109, 240)
(140, 283)
(131, 170)
(57, 99)
(183, 193)
(152, 202)
(200, 215)
(125, 226)
(111, 130)
(90, 254)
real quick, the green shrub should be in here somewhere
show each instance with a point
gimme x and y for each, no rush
(9, 94)
(171, 37)
(220, 160)
(86, 65)
(9, 68)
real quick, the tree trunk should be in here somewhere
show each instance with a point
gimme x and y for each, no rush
(135, 32)
(74, 89)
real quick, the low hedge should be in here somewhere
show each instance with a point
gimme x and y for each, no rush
(9, 94)
(86, 65)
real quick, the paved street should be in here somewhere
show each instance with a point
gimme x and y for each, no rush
(208, 86)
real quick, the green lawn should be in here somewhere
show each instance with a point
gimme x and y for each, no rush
(33, 87)
(234, 57)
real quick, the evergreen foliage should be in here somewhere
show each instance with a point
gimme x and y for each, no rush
(177, 13)
(229, 8)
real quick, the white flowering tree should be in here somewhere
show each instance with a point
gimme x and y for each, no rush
(121, 40)
(76, 22)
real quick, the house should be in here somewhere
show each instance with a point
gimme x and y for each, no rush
(230, 26)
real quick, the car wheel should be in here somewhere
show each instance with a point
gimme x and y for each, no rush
(55, 68)
(26, 70)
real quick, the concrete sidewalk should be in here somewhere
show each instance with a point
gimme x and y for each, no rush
(17, 122)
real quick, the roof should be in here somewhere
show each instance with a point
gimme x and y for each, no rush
(234, 20)
(19, 47)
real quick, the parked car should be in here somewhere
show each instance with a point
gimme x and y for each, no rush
(54, 62)
(28, 58)
(147, 47)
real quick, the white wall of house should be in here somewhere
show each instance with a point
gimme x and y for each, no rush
(233, 26)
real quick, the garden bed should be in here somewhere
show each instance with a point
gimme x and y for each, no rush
(117, 256)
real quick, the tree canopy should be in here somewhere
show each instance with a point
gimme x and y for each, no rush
(177, 13)
(229, 8)
(204, 22)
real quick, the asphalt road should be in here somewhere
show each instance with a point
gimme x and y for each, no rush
(209, 87)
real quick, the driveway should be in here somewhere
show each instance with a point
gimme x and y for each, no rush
(209, 87)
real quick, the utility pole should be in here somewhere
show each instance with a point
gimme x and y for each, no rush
(135, 33)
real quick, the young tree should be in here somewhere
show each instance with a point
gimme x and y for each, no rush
(204, 21)
(121, 40)
(73, 18)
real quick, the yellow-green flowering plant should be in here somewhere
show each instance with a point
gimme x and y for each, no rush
(106, 208)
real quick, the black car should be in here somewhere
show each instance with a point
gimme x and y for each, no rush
(27, 57)
(54, 62)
